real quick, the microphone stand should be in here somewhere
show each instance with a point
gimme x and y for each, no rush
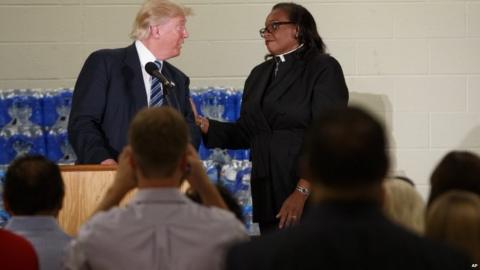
(153, 70)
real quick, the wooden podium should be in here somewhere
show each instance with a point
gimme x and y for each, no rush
(85, 186)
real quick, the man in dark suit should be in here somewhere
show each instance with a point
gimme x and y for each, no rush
(346, 160)
(113, 84)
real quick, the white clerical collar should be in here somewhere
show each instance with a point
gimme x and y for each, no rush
(144, 54)
(282, 56)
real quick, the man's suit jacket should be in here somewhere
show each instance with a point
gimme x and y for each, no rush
(108, 93)
(353, 235)
(274, 116)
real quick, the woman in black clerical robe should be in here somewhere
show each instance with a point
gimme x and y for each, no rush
(281, 97)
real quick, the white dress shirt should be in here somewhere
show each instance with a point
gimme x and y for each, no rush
(159, 229)
(145, 56)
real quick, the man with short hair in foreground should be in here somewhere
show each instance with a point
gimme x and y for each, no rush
(160, 228)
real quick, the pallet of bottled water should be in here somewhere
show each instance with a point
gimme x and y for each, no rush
(34, 122)
(228, 168)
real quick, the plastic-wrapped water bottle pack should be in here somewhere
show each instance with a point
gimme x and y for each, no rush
(34, 121)
(4, 216)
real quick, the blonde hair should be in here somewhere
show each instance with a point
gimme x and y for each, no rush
(155, 12)
(454, 218)
(404, 205)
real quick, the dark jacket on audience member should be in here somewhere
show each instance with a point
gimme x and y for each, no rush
(353, 235)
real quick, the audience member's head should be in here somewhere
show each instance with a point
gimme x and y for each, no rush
(454, 218)
(457, 170)
(227, 197)
(16, 252)
(404, 205)
(346, 151)
(155, 12)
(33, 186)
(158, 138)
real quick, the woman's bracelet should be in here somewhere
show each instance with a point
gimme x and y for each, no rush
(305, 191)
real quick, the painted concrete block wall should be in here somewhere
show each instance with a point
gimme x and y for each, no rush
(415, 64)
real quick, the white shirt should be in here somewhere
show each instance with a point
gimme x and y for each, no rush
(145, 56)
(159, 229)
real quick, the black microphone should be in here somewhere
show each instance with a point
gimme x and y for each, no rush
(152, 69)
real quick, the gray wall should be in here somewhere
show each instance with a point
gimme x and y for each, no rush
(415, 64)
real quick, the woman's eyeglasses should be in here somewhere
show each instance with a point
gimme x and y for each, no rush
(272, 28)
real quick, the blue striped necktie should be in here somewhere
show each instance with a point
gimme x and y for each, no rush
(156, 94)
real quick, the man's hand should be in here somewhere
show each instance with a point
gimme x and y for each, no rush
(202, 123)
(196, 175)
(125, 180)
(108, 162)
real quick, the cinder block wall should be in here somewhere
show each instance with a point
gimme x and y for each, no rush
(415, 64)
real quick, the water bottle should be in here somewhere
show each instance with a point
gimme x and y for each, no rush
(228, 176)
(21, 136)
(243, 194)
(204, 152)
(4, 216)
(239, 154)
(214, 100)
(239, 96)
(7, 100)
(209, 103)
(232, 154)
(205, 107)
(196, 95)
(212, 170)
(33, 98)
(230, 105)
(49, 109)
(36, 104)
(245, 198)
(4, 155)
(4, 117)
(246, 154)
(219, 94)
(59, 148)
(4, 120)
